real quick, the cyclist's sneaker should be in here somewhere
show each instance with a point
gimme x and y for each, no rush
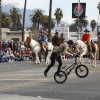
(45, 74)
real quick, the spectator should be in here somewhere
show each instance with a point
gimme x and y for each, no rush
(12, 57)
(18, 56)
(5, 57)
(62, 38)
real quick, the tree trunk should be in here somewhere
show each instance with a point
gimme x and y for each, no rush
(0, 20)
(24, 20)
(49, 26)
(38, 25)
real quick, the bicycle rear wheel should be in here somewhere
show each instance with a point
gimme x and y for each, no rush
(60, 77)
(81, 71)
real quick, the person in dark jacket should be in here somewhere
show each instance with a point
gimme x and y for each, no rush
(62, 37)
(56, 40)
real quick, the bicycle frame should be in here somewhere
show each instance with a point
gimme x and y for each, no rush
(71, 67)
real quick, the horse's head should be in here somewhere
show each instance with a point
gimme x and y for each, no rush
(79, 43)
(27, 42)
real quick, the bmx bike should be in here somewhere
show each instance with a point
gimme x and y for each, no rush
(80, 70)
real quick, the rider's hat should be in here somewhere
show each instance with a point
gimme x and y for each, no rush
(86, 30)
(56, 33)
(44, 32)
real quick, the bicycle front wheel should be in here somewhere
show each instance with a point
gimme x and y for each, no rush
(81, 71)
(60, 77)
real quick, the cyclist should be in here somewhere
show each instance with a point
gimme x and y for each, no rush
(56, 55)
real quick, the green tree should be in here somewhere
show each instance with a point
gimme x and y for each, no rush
(45, 22)
(98, 6)
(73, 28)
(83, 22)
(37, 16)
(59, 15)
(15, 16)
(6, 20)
(93, 24)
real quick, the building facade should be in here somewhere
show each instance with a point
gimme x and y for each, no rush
(17, 35)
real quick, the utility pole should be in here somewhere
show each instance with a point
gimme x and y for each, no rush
(49, 26)
(0, 20)
(78, 19)
(24, 20)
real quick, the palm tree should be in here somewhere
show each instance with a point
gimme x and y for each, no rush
(37, 16)
(73, 28)
(0, 20)
(98, 6)
(6, 20)
(93, 24)
(58, 14)
(45, 22)
(15, 16)
(83, 22)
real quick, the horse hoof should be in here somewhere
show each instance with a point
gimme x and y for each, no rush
(93, 66)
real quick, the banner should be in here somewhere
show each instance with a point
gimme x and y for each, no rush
(82, 10)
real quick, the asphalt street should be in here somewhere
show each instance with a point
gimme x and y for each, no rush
(26, 81)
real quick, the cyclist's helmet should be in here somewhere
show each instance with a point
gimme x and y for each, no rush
(70, 42)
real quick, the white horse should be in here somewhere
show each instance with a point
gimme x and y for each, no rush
(83, 50)
(35, 46)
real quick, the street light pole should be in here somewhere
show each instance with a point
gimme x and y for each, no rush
(49, 26)
(0, 20)
(24, 20)
(78, 19)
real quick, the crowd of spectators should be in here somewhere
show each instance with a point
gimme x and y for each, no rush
(11, 51)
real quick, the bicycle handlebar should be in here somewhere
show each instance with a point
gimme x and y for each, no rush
(75, 55)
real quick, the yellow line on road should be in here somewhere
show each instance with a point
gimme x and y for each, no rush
(22, 84)
(10, 79)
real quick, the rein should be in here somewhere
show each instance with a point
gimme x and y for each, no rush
(35, 46)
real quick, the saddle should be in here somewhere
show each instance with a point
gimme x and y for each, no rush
(92, 46)
(43, 47)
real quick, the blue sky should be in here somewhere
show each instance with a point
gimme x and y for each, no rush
(65, 5)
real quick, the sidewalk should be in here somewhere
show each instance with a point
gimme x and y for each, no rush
(18, 97)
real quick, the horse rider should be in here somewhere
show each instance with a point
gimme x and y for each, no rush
(56, 55)
(62, 37)
(42, 40)
(56, 40)
(87, 39)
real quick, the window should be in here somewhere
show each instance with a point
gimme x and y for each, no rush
(15, 39)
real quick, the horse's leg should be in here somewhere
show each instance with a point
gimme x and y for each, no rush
(37, 58)
(81, 58)
(48, 57)
(94, 61)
